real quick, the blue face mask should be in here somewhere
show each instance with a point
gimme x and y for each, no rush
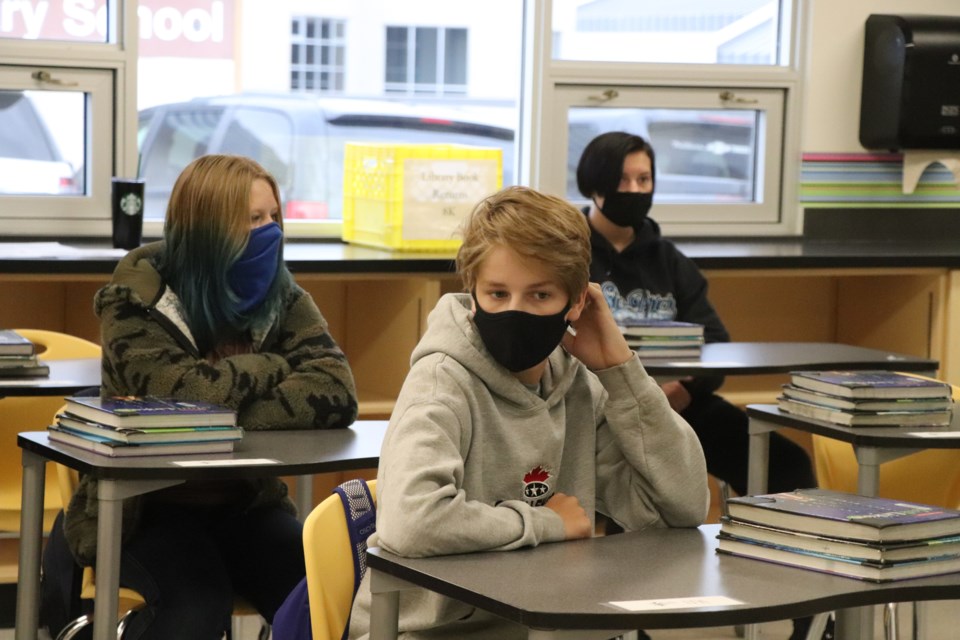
(252, 274)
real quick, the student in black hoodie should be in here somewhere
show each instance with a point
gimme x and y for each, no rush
(644, 276)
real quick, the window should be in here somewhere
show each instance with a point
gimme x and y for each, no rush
(62, 133)
(691, 31)
(426, 60)
(317, 52)
(713, 86)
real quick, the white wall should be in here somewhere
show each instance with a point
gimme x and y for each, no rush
(831, 114)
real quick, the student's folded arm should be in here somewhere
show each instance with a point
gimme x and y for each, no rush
(651, 469)
(318, 391)
(423, 509)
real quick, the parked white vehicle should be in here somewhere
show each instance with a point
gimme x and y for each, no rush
(30, 161)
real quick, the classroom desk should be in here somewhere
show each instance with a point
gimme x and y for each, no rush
(66, 377)
(561, 590)
(749, 358)
(872, 446)
(259, 454)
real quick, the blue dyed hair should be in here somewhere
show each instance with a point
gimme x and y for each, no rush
(206, 231)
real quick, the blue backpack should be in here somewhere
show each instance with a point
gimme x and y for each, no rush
(292, 620)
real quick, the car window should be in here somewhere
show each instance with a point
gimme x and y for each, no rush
(264, 135)
(182, 135)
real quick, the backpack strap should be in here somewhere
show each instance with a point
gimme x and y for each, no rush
(361, 513)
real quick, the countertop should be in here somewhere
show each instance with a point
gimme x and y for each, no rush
(92, 257)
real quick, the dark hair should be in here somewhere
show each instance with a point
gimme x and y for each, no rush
(601, 164)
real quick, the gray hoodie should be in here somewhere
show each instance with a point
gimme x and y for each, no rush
(472, 455)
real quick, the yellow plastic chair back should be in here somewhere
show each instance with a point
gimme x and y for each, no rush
(33, 414)
(329, 557)
(928, 477)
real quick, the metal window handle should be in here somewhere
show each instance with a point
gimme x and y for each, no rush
(606, 96)
(44, 76)
(730, 96)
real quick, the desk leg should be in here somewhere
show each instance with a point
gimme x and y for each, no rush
(854, 624)
(758, 464)
(304, 496)
(108, 561)
(31, 543)
(385, 605)
(110, 494)
(868, 471)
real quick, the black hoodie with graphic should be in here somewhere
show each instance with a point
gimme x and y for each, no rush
(651, 278)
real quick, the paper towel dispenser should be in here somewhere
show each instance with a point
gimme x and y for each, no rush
(910, 96)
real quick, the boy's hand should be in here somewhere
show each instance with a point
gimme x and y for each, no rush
(576, 524)
(599, 343)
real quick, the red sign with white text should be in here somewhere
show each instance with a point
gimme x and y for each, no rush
(168, 28)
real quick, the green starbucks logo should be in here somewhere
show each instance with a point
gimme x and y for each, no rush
(130, 204)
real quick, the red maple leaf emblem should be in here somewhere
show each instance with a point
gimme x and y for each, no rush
(538, 474)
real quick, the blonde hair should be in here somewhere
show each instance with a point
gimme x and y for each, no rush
(206, 230)
(211, 198)
(534, 225)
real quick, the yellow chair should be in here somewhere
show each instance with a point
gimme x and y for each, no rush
(927, 477)
(33, 414)
(330, 573)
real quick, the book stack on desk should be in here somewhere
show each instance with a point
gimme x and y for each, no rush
(663, 338)
(867, 398)
(18, 357)
(145, 426)
(874, 539)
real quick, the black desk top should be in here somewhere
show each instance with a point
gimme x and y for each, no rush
(569, 585)
(66, 377)
(748, 358)
(291, 453)
(794, 252)
(908, 436)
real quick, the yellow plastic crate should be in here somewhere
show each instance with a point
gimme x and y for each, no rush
(414, 196)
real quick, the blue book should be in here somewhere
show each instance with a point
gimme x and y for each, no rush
(146, 411)
(870, 384)
(660, 328)
(846, 515)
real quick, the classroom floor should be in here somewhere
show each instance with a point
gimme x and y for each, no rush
(943, 624)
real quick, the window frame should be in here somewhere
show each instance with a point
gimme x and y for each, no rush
(543, 153)
(108, 69)
(410, 86)
(332, 43)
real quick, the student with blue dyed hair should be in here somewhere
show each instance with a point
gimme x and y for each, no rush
(211, 313)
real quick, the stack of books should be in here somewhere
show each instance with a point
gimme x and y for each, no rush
(873, 539)
(18, 357)
(145, 426)
(663, 338)
(867, 398)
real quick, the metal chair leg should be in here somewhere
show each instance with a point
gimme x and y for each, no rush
(891, 630)
(74, 627)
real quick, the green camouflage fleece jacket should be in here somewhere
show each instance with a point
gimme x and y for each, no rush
(297, 379)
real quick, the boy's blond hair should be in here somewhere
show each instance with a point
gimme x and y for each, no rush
(533, 224)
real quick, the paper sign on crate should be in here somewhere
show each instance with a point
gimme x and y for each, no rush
(414, 196)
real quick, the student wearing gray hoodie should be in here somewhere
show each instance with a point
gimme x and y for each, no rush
(524, 414)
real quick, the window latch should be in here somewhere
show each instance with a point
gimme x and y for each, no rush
(606, 96)
(728, 97)
(44, 76)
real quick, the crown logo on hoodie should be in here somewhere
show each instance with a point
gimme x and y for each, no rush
(536, 488)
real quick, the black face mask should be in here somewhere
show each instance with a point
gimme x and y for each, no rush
(626, 208)
(519, 340)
